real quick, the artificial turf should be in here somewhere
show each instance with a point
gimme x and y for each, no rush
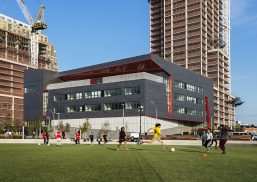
(143, 163)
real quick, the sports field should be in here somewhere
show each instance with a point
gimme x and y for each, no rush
(26, 162)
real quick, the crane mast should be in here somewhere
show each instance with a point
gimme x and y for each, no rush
(36, 25)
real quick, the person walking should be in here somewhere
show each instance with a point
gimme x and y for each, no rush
(122, 139)
(208, 139)
(91, 137)
(203, 137)
(77, 138)
(223, 135)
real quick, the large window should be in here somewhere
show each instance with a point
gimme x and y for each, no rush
(112, 106)
(180, 110)
(132, 90)
(75, 109)
(179, 97)
(89, 108)
(93, 94)
(188, 87)
(113, 92)
(191, 99)
(188, 111)
(71, 96)
(59, 109)
(132, 105)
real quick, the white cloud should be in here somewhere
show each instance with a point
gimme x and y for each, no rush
(240, 14)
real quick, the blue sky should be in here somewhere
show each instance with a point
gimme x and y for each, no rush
(87, 32)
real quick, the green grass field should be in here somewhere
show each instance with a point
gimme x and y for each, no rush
(20, 162)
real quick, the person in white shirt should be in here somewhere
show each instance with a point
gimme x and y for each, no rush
(208, 139)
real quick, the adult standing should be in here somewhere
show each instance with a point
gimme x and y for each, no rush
(91, 137)
(47, 137)
(223, 135)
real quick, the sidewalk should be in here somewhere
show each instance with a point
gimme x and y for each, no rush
(166, 142)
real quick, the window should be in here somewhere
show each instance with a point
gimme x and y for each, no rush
(113, 92)
(89, 108)
(132, 105)
(58, 97)
(179, 97)
(189, 87)
(191, 111)
(180, 110)
(199, 101)
(71, 96)
(75, 109)
(191, 99)
(30, 90)
(179, 84)
(93, 94)
(59, 109)
(112, 106)
(132, 90)
(78, 95)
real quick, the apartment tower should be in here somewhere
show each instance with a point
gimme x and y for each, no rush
(195, 34)
(14, 59)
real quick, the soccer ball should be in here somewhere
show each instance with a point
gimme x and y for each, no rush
(39, 144)
(172, 149)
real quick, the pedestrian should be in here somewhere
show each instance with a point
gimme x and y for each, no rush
(91, 137)
(203, 137)
(47, 138)
(44, 137)
(208, 139)
(77, 138)
(156, 136)
(122, 138)
(223, 135)
(215, 138)
(58, 137)
(105, 138)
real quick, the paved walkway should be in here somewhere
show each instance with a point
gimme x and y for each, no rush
(166, 142)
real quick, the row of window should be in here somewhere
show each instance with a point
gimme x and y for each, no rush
(97, 107)
(97, 94)
(189, 87)
(185, 98)
(188, 111)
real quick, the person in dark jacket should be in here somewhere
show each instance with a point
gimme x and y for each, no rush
(223, 135)
(122, 138)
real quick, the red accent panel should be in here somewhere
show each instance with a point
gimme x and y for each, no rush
(170, 95)
(207, 109)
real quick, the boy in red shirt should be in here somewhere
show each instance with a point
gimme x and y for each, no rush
(59, 137)
(44, 137)
(77, 139)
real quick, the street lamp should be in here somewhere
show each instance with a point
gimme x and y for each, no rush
(140, 109)
(155, 109)
(123, 107)
(50, 124)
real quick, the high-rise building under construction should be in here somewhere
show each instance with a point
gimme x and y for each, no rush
(196, 35)
(15, 57)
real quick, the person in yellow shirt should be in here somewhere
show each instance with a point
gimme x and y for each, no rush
(157, 135)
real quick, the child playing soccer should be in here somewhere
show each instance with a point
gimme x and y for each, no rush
(157, 134)
(59, 137)
(122, 138)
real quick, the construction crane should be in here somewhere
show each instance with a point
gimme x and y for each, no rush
(36, 26)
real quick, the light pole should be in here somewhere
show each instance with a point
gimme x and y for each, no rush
(140, 109)
(155, 109)
(123, 107)
(50, 124)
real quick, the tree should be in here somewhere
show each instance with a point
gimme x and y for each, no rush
(106, 128)
(67, 127)
(85, 127)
